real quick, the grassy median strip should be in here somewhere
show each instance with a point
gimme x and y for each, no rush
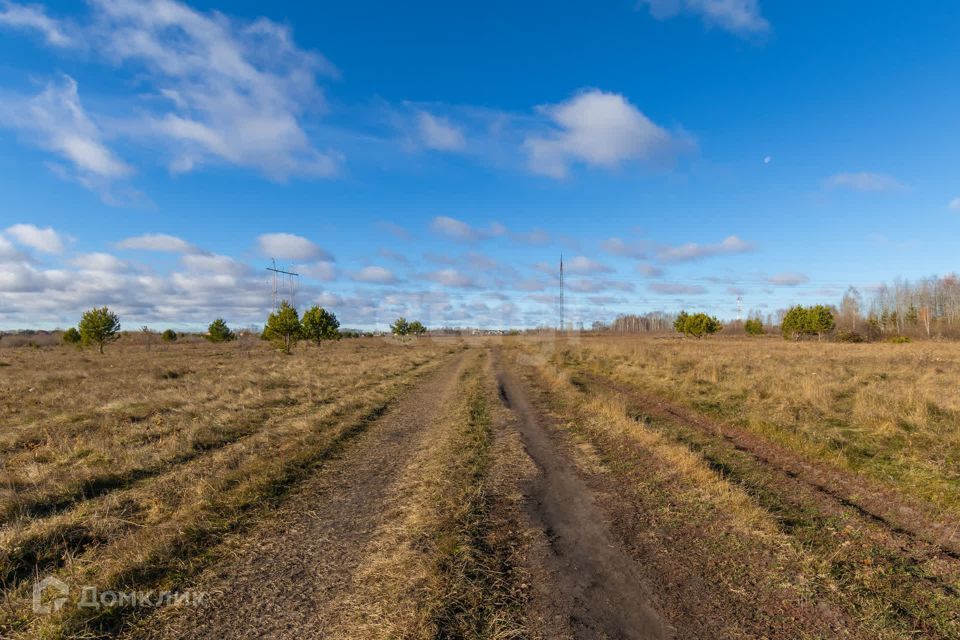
(476, 594)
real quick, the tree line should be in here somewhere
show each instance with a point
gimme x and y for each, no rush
(284, 328)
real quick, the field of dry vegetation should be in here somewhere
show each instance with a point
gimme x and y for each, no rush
(125, 469)
(819, 479)
(432, 488)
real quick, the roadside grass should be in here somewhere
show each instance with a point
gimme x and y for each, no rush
(209, 452)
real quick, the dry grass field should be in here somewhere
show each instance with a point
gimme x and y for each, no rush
(487, 488)
(125, 469)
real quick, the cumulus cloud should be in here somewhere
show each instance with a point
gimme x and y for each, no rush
(676, 289)
(593, 285)
(788, 279)
(452, 278)
(598, 129)
(584, 265)
(741, 17)
(56, 121)
(438, 133)
(619, 247)
(454, 229)
(218, 90)
(99, 262)
(46, 240)
(211, 263)
(693, 251)
(461, 231)
(865, 181)
(375, 274)
(395, 230)
(288, 246)
(156, 242)
(34, 18)
(321, 270)
(649, 270)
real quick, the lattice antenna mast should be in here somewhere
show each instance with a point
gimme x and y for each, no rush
(563, 309)
(291, 283)
(740, 308)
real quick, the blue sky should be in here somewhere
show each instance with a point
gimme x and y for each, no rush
(434, 159)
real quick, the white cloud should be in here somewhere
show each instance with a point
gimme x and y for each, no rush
(452, 278)
(46, 240)
(788, 279)
(8, 252)
(955, 204)
(454, 229)
(210, 263)
(649, 270)
(210, 89)
(667, 288)
(598, 129)
(288, 246)
(55, 120)
(375, 274)
(741, 17)
(619, 247)
(157, 242)
(322, 270)
(693, 251)
(438, 133)
(584, 265)
(865, 181)
(33, 17)
(593, 285)
(99, 262)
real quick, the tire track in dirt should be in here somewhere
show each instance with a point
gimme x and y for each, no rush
(883, 509)
(589, 586)
(282, 579)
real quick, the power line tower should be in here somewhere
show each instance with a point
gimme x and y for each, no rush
(563, 309)
(291, 283)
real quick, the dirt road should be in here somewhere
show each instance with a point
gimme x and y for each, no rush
(283, 580)
(327, 564)
(592, 586)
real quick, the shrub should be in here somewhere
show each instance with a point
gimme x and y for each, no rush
(898, 339)
(99, 326)
(849, 336)
(400, 327)
(753, 327)
(169, 336)
(696, 325)
(72, 336)
(802, 321)
(283, 327)
(218, 331)
(417, 328)
(319, 324)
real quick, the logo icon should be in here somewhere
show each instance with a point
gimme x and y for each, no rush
(55, 585)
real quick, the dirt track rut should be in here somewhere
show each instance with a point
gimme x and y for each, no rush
(596, 590)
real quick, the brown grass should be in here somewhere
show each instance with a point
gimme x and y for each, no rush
(888, 411)
(881, 580)
(121, 471)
